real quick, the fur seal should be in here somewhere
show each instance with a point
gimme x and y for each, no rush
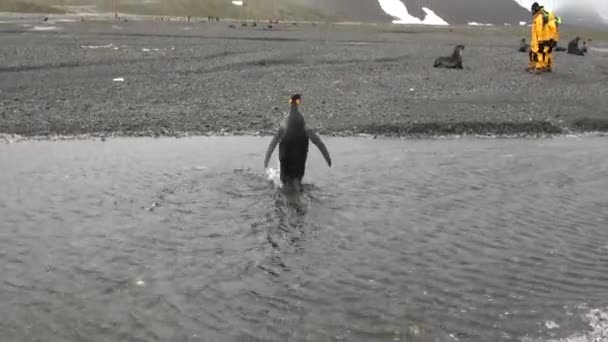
(573, 48)
(523, 46)
(292, 138)
(452, 62)
(584, 47)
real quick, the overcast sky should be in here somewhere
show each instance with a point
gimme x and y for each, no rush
(601, 6)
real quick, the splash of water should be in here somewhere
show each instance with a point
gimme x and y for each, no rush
(397, 9)
(274, 175)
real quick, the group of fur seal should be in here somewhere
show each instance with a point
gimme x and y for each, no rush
(572, 48)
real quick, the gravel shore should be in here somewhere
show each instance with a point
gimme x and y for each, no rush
(170, 78)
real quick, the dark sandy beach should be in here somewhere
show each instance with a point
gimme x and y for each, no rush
(200, 78)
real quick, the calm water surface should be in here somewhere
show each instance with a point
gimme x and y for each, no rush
(401, 240)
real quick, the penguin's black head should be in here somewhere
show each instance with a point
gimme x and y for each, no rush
(295, 99)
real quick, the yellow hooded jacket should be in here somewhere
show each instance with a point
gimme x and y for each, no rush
(551, 31)
(537, 32)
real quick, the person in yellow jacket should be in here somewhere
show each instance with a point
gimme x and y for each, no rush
(536, 64)
(550, 38)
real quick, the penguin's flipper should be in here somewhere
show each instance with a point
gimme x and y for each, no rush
(314, 138)
(273, 144)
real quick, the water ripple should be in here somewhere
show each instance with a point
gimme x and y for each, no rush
(188, 240)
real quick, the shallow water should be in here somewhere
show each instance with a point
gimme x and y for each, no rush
(410, 240)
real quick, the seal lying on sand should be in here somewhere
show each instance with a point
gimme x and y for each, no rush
(573, 48)
(452, 62)
(292, 138)
(523, 46)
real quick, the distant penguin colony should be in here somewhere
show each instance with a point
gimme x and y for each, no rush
(292, 138)
(452, 62)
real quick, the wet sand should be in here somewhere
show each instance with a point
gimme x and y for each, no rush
(63, 78)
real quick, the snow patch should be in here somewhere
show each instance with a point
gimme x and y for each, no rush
(97, 46)
(155, 49)
(44, 28)
(473, 23)
(397, 9)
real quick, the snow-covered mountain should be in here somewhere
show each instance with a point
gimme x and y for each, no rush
(462, 12)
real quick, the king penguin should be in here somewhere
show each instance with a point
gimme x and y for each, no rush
(293, 137)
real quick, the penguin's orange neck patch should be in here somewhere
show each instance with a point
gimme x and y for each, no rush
(297, 101)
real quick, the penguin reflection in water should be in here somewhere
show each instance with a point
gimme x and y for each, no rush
(292, 138)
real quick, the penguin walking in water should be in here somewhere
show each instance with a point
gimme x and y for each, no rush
(292, 138)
